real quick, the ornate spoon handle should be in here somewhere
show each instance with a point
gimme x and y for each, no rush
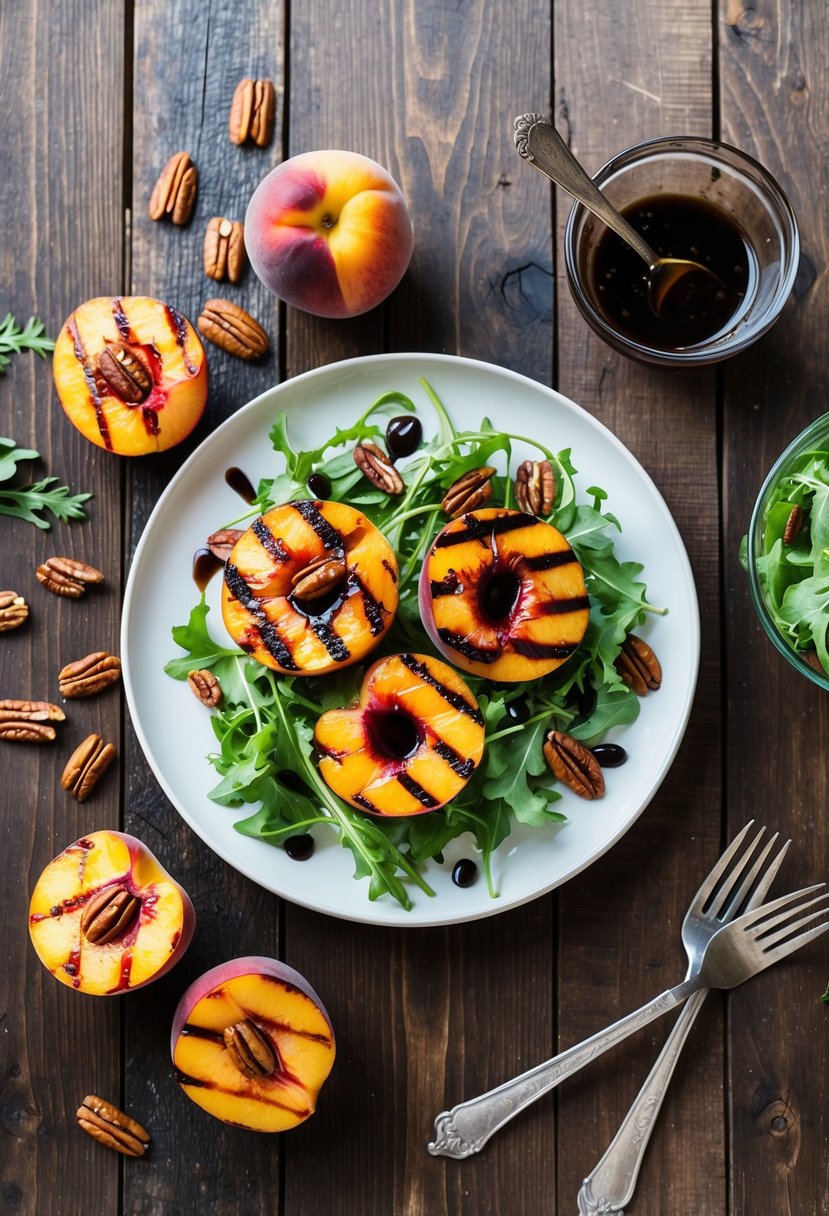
(610, 1186)
(465, 1128)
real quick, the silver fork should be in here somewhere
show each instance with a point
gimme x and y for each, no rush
(736, 952)
(610, 1185)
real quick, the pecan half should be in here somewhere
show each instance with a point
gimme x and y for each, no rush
(638, 666)
(13, 610)
(252, 112)
(89, 675)
(125, 372)
(794, 525)
(535, 487)
(110, 1126)
(26, 732)
(67, 577)
(249, 1050)
(233, 329)
(204, 685)
(85, 767)
(108, 914)
(30, 711)
(469, 492)
(374, 464)
(221, 543)
(224, 249)
(323, 573)
(574, 764)
(174, 193)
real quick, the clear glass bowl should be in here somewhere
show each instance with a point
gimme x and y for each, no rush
(712, 173)
(763, 526)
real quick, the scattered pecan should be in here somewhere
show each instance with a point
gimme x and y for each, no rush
(221, 543)
(26, 732)
(249, 1050)
(224, 249)
(794, 525)
(374, 464)
(85, 767)
(67, 577)
(30, 711)
(233, 329)
(108, 914)
(109, 1125)
(252, 112)
(535, 487)
(89, 675)
(204, 685)
(175, 191)
(125, 372)
(13, 610)
(314, 580)
(638, 666)
(574, 764)
(469, 492)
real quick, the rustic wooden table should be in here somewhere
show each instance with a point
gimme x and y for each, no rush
(97, 94)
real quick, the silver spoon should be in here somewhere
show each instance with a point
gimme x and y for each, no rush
(541, 145)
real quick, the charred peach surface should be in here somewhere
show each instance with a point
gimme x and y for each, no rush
(131, 374)
(252, 1044)
(310, 587)
(502, 595)
(105, 917)
(410, 744)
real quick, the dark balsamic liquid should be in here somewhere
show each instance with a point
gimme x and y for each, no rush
(610, 755)
(320, 485)
(674, 226)
(403, 436)
(300, 848)
(240, 482)
(464, 873)
(205, 565)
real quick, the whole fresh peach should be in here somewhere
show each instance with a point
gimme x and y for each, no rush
(329, 232)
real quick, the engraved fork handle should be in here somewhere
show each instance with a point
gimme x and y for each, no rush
(610, 1186)
(465, 1128)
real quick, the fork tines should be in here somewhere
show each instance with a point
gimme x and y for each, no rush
(782, 920)
(735, 878)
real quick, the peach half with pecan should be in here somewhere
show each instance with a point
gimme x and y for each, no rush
(410, 744)
(131, 374)
(502, 595)
(310, 587)
(105, 916)
(252, 1044)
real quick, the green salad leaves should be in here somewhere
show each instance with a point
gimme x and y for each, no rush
(29, 502)
(264, 754)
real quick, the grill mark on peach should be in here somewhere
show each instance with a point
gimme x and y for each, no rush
(464, 768)
(449, 585)
(362, 801)
(329, 637)
(271, 638)
(121, 320)
(417, 791)
(271, 544)
(262, 1093)
(372, 608)
(543, 650)
(193, 1030)
(91, 383)
(549, 561)
(455, 699)
(463, 646)
(555, 607)
(330, 537)
(479, 529)
(178, 325)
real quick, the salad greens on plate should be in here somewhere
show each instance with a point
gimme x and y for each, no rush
(264, 755)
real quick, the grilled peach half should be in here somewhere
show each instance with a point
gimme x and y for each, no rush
(409, 745)
(131, 374)
(252, 1044)
(502, 595)
(310, 587)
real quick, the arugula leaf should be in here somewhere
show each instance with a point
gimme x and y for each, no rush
(13, 339)
(29, 502)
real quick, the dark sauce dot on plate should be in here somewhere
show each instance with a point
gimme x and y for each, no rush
(403, 436)
(205, 565)
(300, 848)
(464, 873)
(319, 485)
(240, 482)
(516, 712)
(609, 755)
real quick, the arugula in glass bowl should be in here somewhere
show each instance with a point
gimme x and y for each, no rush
(265, 724)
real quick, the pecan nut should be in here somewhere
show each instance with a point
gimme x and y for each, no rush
(30, 711)
(233, 329)
(249, 1049)
(125, 372)
(638, 666)
(13, 610)
(204, 685)
(26, 732)
(108, 914)
(794, 525)
(535, 487)
(85, 767)
(221, 543)
(469, 492)
(252, 112)
(66, 577)
(89, 675)
(110, 1126)
(317, 578)
(374, 464)
(174, 193)
(224, 249)
(574, 764)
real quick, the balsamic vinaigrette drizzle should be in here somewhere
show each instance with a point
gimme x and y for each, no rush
(240, 482)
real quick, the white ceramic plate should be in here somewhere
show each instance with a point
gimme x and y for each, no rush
(174, 729)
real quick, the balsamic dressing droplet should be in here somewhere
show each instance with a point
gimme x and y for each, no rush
(516, 712)
(300, 848)
(403, 436)
(205, 565)
(464, 873)
(609, 755)
(240, 482)
(319, 485)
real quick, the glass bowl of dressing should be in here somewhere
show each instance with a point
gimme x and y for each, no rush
(690, 198)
